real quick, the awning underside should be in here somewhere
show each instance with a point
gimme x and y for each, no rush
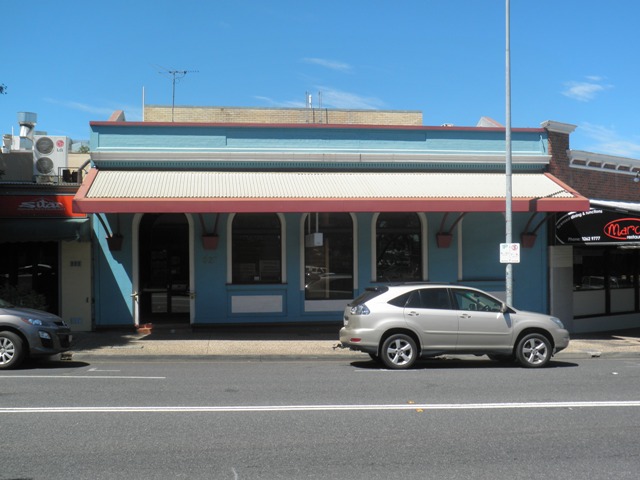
(44, 229)
(122, 191)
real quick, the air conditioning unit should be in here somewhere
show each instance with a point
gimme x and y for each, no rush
(49, 157)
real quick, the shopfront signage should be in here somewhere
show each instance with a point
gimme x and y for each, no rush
(598, 226)
(37, 206)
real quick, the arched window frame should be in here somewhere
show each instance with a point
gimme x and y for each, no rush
(283, 248)
(303, 232)
(423, 245)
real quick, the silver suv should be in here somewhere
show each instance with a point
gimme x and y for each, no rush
(397, 324)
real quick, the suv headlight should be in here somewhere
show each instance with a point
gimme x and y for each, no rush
(359, 310)
(36, 322)
(557, 321)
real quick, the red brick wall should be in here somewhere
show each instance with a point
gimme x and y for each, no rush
(600, 185)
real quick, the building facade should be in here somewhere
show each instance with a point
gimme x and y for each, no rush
(596, 251)
(227, 223)
(45, 247)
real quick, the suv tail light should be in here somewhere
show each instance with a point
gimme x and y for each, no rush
(359, 310)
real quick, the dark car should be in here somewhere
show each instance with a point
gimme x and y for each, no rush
(25, 333)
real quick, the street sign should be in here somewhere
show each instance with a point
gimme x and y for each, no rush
(509, 253)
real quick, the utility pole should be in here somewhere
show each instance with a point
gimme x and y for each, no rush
(508, 161)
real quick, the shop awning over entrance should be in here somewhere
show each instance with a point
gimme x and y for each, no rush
(136, 191)
(44, 229)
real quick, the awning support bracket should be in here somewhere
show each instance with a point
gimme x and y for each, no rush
(209, 240)
(444, 237)
(528, 237)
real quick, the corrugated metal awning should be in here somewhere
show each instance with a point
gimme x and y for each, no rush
(121, 191)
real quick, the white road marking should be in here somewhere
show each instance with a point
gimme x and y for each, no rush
(316, 408)
(93, 377)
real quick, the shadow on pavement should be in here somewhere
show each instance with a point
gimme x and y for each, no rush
(130, 338)
(50, 364)
(460, 363)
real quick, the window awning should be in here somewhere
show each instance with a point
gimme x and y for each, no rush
(144, 191)
(44, 229)
(617, 206)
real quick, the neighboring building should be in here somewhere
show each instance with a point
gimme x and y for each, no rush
(597, 252)
(210, 220)
(45, 248)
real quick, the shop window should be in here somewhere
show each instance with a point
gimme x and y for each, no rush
(256, 248)
(328, 256)
(398, 247)
(605, 280)
(600, 268)
(29, 275)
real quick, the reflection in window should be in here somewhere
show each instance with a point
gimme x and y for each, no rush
(604, 268)
(29, 275)
(398, 247)
(256, 248)
(476, 301)
(329, 261)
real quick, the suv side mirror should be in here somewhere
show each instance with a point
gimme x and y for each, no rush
(504, 308)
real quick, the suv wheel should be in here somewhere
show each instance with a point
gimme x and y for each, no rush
(534, 350)
(11, 351)
(399, 351)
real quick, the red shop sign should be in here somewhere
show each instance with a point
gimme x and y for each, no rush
(623, 229)
(37, 206)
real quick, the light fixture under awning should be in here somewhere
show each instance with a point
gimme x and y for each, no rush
(144, 191)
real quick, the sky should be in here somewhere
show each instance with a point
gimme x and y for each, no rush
(572, 61)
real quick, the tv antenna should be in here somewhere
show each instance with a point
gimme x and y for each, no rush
(176, 75)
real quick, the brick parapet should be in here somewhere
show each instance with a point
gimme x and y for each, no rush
(153, 113)
(606, 184)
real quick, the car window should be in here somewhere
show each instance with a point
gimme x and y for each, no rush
(436, 298)
(400, 301)
(472, 300)
(368, 294)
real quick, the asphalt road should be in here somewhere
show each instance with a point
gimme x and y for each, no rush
(327, 419)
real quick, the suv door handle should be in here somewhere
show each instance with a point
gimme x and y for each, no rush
(465, 315)
(413, 314)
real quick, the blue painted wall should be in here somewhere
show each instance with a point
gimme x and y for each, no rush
(481, 235)
(113, 271)
(208, 138)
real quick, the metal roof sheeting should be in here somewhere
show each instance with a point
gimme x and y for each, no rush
(163, 184)
(202, 191)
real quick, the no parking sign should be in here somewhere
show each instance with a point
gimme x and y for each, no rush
(509, 253)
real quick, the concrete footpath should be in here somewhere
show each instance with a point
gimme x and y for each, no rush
(284, 341)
